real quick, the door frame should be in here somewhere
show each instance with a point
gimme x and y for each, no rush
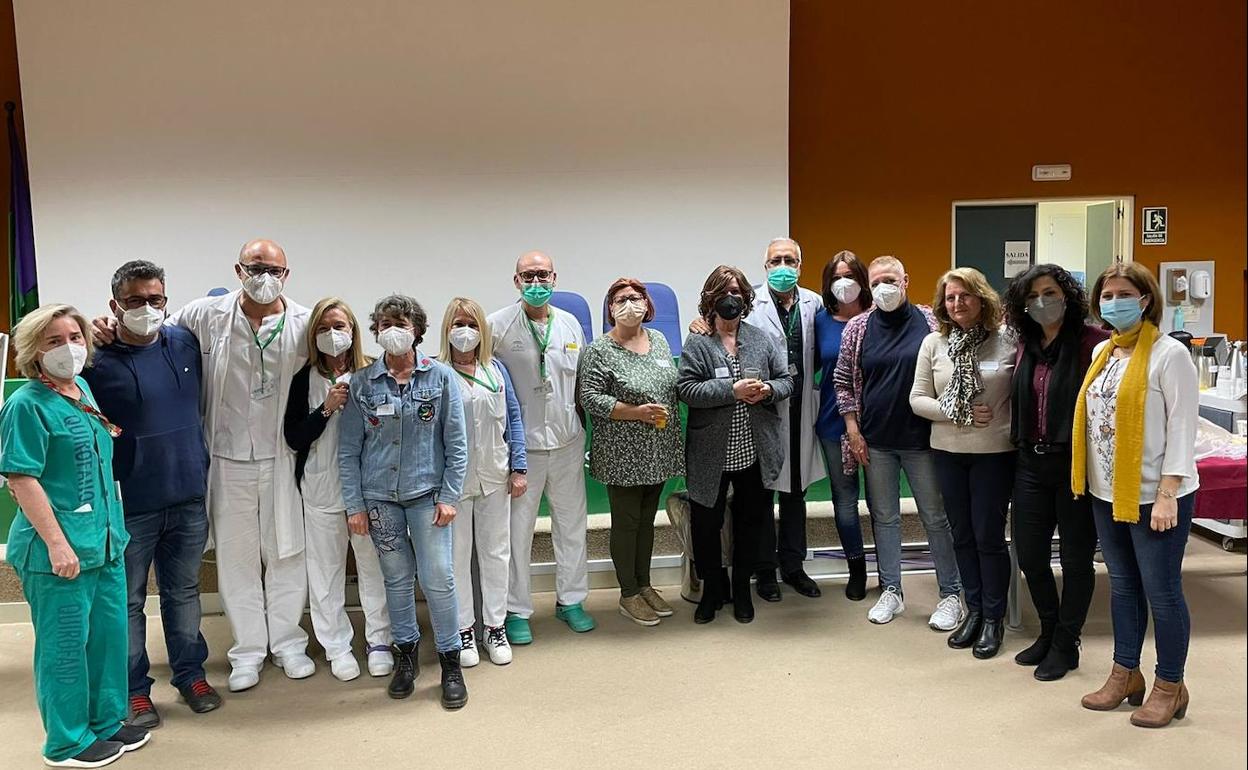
(1127, 235)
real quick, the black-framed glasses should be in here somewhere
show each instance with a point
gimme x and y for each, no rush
(134, 303)
(255, 270)
(529, 276)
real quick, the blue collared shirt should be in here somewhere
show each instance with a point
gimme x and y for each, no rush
(400, 443)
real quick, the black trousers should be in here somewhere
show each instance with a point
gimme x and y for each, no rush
(1042, 502)
(749, 526)
(976, 489)
(789, 543)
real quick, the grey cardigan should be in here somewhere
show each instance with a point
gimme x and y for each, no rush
(706, 386)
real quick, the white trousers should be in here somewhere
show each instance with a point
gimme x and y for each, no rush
(560, 474)
(262, 595)
(483, 521)
(325, 544)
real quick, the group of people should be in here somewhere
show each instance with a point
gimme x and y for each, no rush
(266, 419)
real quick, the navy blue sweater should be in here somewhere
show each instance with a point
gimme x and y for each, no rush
(152, 393)
(890, 351)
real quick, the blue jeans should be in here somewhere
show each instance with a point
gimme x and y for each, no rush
(1146, 569)
(407, 542)
(174, 538)
(844, 499)
(883, 475)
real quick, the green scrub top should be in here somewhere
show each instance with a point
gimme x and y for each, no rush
(44, 435)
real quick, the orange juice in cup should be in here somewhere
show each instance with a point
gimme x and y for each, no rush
(660, 422)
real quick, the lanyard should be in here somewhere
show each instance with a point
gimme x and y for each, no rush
(281, 324)
(795, 315)
(492, 386)
(542, 344)
(112, 429)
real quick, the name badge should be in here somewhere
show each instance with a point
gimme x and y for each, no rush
(266, 389)
(545, 388)
(663, 363)
(989, 366)
(386, 409)
(722, 371)
(571, 347)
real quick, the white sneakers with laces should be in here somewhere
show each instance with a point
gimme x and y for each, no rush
(497, 646)
(889, 606)
(949, 613)
(468, 654)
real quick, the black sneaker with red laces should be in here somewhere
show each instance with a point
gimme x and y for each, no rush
(201, 697)
(143, 713)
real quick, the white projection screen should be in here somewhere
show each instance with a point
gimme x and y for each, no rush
(394, 146)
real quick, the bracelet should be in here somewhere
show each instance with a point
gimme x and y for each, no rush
(1166, 493)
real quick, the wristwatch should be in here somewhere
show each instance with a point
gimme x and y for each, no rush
(521, 471)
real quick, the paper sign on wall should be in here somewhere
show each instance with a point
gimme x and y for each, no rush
(1017, 257)
(1155, 225)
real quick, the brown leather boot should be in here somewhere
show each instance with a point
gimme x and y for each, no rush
(1123, 684)
(1167, 701)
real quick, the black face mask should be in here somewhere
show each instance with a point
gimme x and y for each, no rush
(729, 307)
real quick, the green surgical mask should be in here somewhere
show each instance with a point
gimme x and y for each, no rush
(782, 279)
(537, 294)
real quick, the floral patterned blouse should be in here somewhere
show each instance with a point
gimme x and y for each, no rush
(628, 453)
(1102, 412)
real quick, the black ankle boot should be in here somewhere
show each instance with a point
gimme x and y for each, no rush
(711, 602)
(968, 632)
(406, 669)
(454, 692)
(856, 588)
(990, 636)
(1063, 657)
(1038, 649)
(725, 588)
(742, 604)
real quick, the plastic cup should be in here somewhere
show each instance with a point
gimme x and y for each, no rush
(752, 373)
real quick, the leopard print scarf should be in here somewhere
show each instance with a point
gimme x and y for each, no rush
(966, 382)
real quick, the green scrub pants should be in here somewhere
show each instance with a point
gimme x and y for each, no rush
(81, 640)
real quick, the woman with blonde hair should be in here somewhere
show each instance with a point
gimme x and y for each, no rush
(962, 384)
(496, 474)
(318, 393)
(68, 542)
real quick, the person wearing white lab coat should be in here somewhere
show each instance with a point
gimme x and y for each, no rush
(541, 345)
(253, 340)
(787, 312)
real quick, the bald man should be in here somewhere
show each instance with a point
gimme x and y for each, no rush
(253, 338)
(541, 345)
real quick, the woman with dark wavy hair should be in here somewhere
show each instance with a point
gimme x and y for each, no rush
(1048, 309)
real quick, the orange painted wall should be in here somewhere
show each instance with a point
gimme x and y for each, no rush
(897, 110)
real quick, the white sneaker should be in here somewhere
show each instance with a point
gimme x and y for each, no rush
(949, 613)
(345, 668)
(380, 662)
(497, 646)
(297, 665)
(468, 655)
(888, 607)
(244, 678)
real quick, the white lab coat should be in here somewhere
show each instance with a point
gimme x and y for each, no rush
(765, 317)
(211, 320)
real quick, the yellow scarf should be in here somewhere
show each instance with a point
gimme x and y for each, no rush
(1128, 422)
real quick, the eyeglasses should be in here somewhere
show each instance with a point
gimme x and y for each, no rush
(134, 303)
(529, 276)
(255, 270)
(622, 301)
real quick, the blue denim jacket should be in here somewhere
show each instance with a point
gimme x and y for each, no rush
(396, 447)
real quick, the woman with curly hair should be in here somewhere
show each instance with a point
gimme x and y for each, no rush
(1048, 308)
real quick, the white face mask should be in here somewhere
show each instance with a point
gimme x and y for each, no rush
(630, 314)
(396, 341)
(888, 296)
(143, 321)
(65, 361)
(464, 338)
(333, 342)
(846, 290)
(262, 288)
